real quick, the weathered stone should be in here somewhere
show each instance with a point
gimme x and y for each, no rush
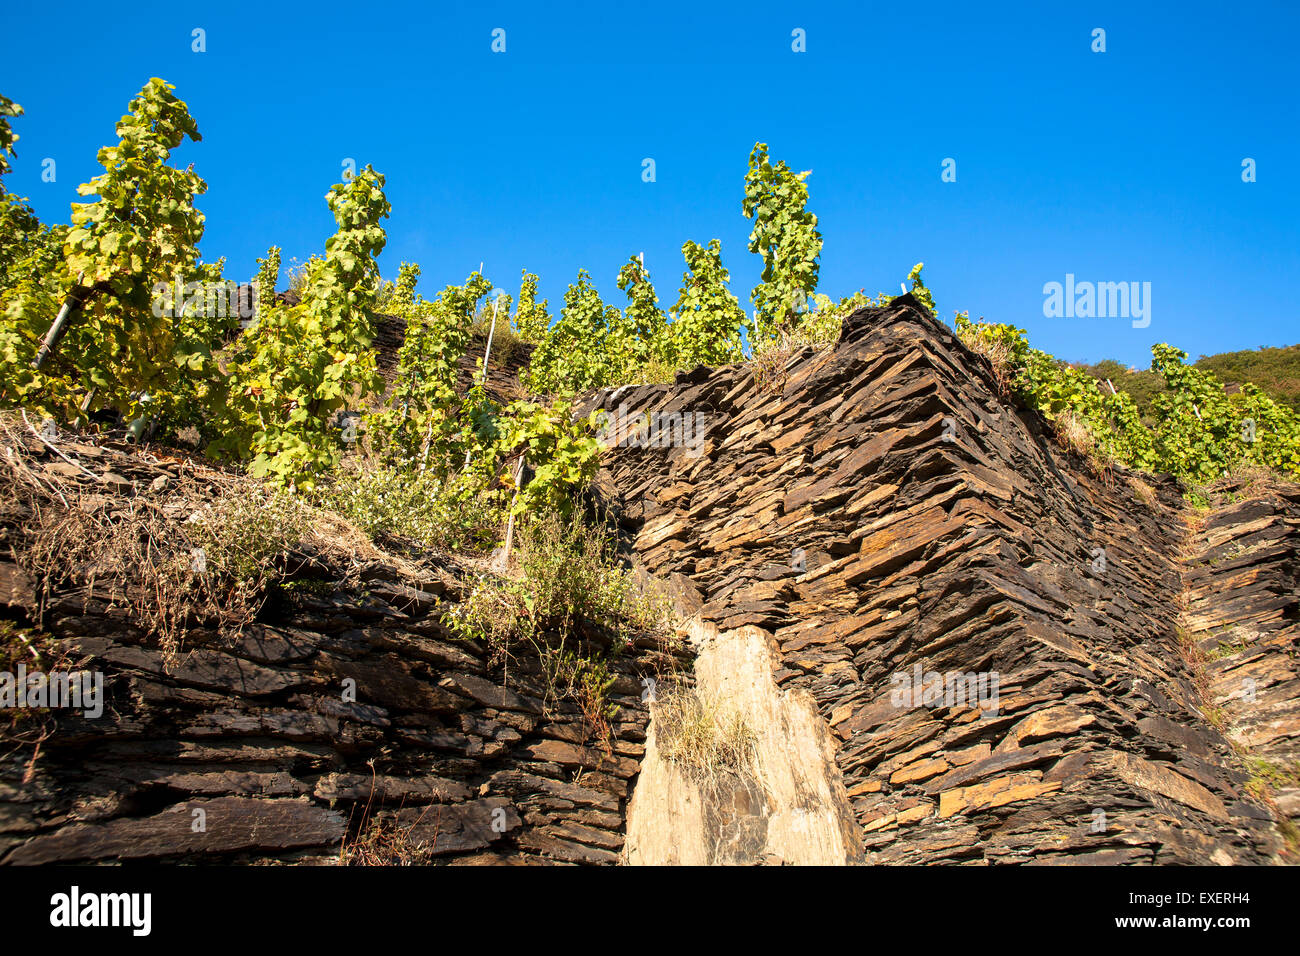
(361, 789)
(230, 824)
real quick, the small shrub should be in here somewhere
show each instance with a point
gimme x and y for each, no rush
(415, 507)
(570, 603)
(567, 576)
(574, 575)
(585, 681)
(654, 371)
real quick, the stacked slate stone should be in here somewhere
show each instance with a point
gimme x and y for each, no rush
(340, 709)
(1242, 600)
(987, 624)
(502, 384)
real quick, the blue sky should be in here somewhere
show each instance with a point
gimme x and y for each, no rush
(1115, 166)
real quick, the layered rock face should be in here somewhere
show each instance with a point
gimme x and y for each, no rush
(345, 707)
(988, 629)
(507, 360)
(1242, 613)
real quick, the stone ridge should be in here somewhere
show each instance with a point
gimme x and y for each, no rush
(889, 513)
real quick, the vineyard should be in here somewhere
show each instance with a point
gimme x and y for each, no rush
(113, 323)
(376, 577)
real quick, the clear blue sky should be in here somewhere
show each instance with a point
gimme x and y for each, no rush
(1115, 166)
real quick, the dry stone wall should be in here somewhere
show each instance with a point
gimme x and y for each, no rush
(1241, 611)
(251, 751)
(884, 513)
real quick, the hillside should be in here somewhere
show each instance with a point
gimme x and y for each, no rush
(1275, 370)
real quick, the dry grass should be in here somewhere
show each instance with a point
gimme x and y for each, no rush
(383, 841)
(998, 355)
(386, 843)
(1244, 481)
(1198, 662)
(1144, 492)
(768, 364)
(770, 354)
(707, 741)
(171, 572)
(1072, 434)
(567, 576)
(24, 727)
(200, 549)
(1248, 481)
